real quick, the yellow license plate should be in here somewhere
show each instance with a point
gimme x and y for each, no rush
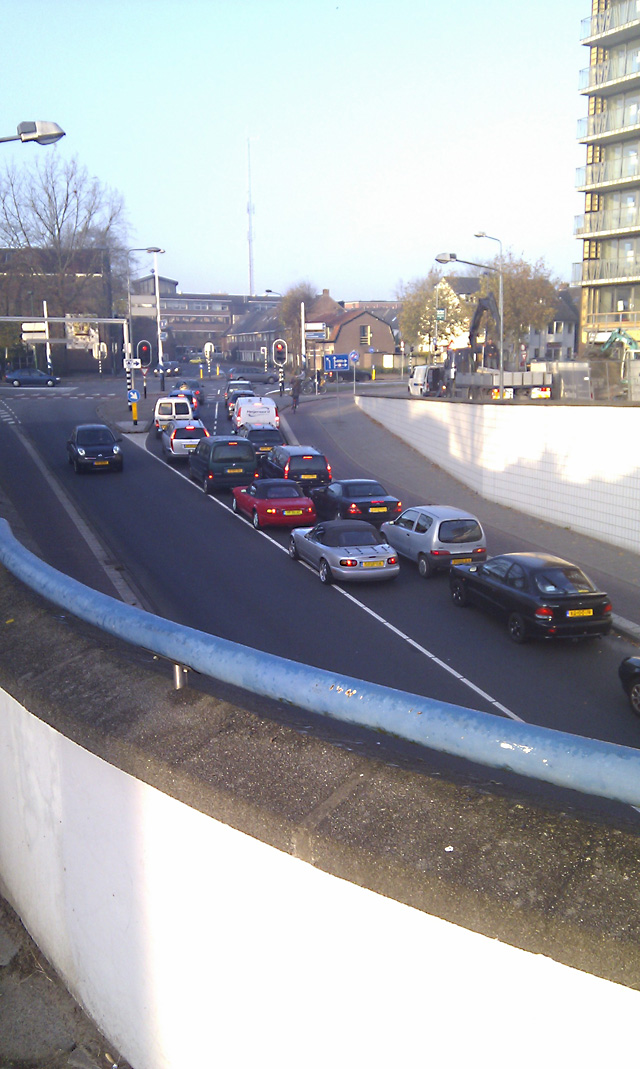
(307, 476)
(292, 512)
(462, 560)
(378, 510)
(373, 564)
(580, 612)
(100, 463)
(234, 471)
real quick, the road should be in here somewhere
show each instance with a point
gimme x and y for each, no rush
(189, 558)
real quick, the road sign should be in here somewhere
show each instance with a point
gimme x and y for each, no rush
(354, 356)
(34, 331)
(336, 361)
(441, 315)
(130, 363)
(133, 395)
(209, 349)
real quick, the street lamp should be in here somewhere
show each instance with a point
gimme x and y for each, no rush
(448, 257)
(482, 234)
(150, 249)
(43, 133)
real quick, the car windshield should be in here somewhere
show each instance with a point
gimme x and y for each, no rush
(95, 436)
(284, 490)
(364, 489)
(233, 452)
(468, 530)
(353, 536)
(567, 580)
(308, 464)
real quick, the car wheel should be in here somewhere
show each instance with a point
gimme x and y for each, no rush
(517, 628)
(76, 467)
(205, 484)
(15, 382)
(458, 593)
(293, 552)
(325, 573)
(255, 519)
(425, 568)
(50, 382)
(634, 697)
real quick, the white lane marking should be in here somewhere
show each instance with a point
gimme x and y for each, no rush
(376, 616)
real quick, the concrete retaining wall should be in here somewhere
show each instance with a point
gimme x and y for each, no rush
(577, 467)
(193, 944)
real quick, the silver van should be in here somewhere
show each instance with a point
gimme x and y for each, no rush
(437, 536)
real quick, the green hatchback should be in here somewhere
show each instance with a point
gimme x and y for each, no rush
(220, 463)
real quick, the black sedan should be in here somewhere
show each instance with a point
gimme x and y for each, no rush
(196, 386)
(540, 596)
(94, 447)
(629, 672)
(355, 499)
(31, 376)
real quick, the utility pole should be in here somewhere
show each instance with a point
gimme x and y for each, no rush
(250, 214)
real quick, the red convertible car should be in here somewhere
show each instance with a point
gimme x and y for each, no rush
(274, 503)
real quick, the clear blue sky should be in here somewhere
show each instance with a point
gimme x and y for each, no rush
(382, 133)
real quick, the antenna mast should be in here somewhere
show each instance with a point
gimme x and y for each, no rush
(250, 211)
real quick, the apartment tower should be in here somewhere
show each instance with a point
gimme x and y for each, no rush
(610, 227)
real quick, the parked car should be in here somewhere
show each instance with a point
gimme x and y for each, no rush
(437, 536)
(263, 437)
(355, 499)
(31, 376)
(219, 463)
(195, 385)
(168, 409)
(541, 596)
(274, 503)
(253, 373)
(180, 437)
(629, 672)
(301, 463)
(168, 367)
(345, 549)
(93, 447)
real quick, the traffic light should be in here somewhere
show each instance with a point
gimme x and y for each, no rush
(143, 351)
(280, 352)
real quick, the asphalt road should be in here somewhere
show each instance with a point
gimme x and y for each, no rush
(188, 557)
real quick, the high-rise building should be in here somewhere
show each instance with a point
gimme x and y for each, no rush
(610, 227)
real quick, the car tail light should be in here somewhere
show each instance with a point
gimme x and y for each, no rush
(206, 432)
(544, 613)
(328, 469)
(479, 549)
(608, 608)
(286, 470)
(310, 510)
(440, 553)
(348, 562)
(271, 512)
(398, 507)
(256, 473)
(353, 510)
(392, 560)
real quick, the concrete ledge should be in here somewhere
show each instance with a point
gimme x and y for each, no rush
(549, 882)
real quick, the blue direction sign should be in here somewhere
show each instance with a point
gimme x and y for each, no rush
(336, 361)
(133, 395)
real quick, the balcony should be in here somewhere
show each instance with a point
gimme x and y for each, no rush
(618, 23)
(615, 221)
(615, 75)
(611, 173)
(600, 271)
(609, 125)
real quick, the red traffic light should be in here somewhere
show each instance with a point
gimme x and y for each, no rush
(143, 351)
(279, 352)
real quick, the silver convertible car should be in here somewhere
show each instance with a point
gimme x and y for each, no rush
(345, 549)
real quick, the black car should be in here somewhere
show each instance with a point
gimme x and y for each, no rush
(355, 499)
(233, 396)
(302, 463)
(94, 447)
(263, 436)
(189, 395)
(540, 596)
(196, 386)
(629, 672)
(31, 376)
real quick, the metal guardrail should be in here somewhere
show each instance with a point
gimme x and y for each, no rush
(587, 765)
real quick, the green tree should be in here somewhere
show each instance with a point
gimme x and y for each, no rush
(417, 319)
(290, 316)
(529, 296)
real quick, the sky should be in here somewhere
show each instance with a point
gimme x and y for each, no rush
(376, 134)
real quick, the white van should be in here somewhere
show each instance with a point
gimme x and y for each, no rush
(169, 409)
(416, 385)
(251, 410)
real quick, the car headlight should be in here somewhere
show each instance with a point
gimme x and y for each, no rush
(81, 452)
(116, 450)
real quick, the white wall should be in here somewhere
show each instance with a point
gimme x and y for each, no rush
(575, 466)
(194, 945)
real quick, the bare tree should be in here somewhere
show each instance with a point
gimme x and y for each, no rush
(290, 316)
(65, 234)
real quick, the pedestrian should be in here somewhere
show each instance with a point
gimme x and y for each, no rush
(295, 392)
